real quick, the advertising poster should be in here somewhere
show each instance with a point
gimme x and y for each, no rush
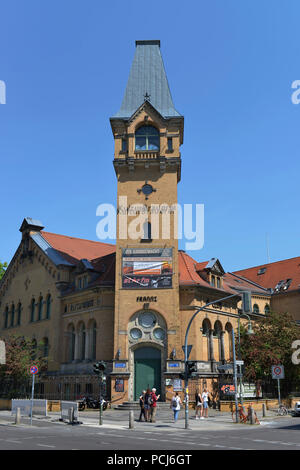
(148, 268)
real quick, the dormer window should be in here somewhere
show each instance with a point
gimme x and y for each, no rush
(147, 138)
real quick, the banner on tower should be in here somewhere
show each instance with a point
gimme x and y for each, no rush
(147, 268)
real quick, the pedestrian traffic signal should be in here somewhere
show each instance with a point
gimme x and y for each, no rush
(191, 368)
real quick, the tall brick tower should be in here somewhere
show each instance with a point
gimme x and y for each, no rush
(148, 132)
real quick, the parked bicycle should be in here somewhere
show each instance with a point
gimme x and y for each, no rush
(282, 410)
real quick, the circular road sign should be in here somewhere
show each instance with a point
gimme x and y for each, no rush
(278, 372)
(34, 370)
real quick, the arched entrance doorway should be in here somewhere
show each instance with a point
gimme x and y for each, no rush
(147, 370)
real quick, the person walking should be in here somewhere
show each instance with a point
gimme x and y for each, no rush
(205, 397)
(147, 404)
(153, 408)
(198, 405)
(175, 405)
(142, 405)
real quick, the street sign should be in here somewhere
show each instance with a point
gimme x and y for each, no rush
(189, 348)
(239, 363)
(34, 370)
(278, 372)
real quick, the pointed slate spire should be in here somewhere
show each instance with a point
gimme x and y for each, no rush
(147, 82)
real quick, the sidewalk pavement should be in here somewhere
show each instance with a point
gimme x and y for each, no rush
(119, 419)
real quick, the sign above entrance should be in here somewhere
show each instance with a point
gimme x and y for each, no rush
(147, 268)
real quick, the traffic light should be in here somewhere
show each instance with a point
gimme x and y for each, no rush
(191, 367)
(246, 301)
(99, 367)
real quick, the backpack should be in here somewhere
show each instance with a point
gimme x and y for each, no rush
(150, 400)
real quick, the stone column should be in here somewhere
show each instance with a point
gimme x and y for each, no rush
(211, 345)
(222, 350)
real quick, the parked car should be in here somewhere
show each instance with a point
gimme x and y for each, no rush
(297, 409)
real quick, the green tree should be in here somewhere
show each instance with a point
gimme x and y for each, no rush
(3, 267)
(270, 344)
(21, 354)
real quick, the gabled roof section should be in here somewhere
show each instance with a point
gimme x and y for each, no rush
(269, 275)
(69, 250)
(147, 81)
(31, 224)
(240, 283)
(188, 273)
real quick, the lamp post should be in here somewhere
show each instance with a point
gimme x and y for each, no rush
(246, 301)
(186, 394)
(249, 332)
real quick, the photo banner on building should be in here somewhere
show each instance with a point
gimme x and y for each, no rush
(147, 268)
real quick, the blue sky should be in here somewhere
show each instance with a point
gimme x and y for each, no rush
(230, 67)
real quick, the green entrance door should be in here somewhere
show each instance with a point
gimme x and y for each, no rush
(147, 370)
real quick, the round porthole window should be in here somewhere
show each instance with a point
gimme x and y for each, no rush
(159, 334)
(147, 320)
(135, 333)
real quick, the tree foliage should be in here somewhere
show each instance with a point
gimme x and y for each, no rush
(270, 344)
(3, 267)
(21, 354)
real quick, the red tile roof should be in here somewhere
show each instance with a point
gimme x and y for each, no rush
(102, 257)
(74, 249)
(275, 272)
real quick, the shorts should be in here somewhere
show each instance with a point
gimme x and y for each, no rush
(205, 404)
(199, 405)
(147, 407)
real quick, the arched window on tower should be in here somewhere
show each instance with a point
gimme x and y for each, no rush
(146, 231)
(147, 138)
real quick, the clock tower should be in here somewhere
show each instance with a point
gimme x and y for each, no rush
(148, 132)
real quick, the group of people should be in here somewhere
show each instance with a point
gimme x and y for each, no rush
(149, 398)
(148, 405)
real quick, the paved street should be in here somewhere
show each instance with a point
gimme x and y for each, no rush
(218, 432)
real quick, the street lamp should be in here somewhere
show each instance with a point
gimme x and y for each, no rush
(249, 332)
(186, 378)
(246, 302)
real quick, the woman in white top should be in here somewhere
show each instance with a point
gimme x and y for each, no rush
(175, 405)
(205, 396)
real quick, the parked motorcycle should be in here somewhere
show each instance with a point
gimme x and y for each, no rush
(87, 402)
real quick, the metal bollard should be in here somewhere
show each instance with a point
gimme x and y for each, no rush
(264, 409)
(18, 416)
(131, 419)
(252, 416)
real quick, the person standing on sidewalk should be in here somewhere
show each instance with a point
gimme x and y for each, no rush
(205, 396)
(142, 405)
(147, 404)
(198, 405)
(154, 399)
(175, 405)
